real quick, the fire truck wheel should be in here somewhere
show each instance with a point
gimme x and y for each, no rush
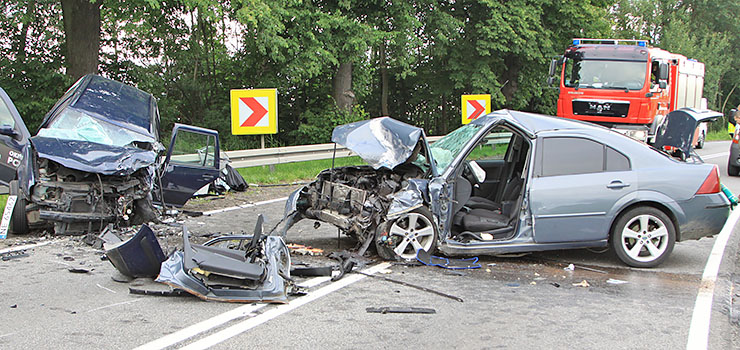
(733, 170)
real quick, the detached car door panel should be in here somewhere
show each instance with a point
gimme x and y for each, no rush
(577, 183)
(13, 139)
(192, 162)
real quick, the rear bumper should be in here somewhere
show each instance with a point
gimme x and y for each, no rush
(705, 216)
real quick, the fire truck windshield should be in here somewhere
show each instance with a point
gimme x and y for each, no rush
(605, 74)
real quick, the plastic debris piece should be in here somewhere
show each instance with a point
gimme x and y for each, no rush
(78, 270)
(400, 310)
(13, 255)
(311, 271)
(162, 293)
(615, 281)
(533, 283)
(583, 284)
(301, 249)
(555, 284)
(512, 284)
(570, 267)
(425, 258)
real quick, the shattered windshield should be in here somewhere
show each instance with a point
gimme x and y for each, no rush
(448, 147)
(72, 124)
(605, 74)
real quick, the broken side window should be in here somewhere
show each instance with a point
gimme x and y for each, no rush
(194, 149)
(448, 147)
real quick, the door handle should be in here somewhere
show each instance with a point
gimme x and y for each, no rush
(617, 184)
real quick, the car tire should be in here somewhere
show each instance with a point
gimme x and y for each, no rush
(700, 142)
(400, 239)
(643, 237)
(732, 170)
(18, 219)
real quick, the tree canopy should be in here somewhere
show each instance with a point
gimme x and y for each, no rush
(336, 61)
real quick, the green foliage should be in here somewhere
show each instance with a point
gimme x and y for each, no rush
(191, 53)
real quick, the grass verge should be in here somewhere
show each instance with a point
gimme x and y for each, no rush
(718, 136)
(291, 172)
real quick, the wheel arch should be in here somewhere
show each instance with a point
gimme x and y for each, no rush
(648, 203)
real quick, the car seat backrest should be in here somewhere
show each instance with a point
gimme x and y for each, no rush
(463, 191)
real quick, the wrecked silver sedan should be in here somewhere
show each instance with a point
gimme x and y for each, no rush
(97, 159)
(514, 182)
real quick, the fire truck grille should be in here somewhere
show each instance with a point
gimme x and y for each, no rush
(601, 108)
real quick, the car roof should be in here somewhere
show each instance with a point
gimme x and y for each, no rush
(117, 102)
(533, 123)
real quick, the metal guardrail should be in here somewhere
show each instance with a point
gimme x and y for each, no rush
(279, 155)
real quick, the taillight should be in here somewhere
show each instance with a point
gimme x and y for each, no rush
(736, 138)
(711, 184)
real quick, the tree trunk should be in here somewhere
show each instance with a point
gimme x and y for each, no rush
(511, 78)
(342, 87)
(82, 32)
(383, 82)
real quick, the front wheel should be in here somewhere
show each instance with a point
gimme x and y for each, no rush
(18, 219)
(404, 236)
(732, 170)
(700, 142)
(643, 237)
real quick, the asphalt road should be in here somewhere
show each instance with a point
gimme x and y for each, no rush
(512, 303)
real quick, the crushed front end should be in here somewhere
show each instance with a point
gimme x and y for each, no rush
(77, 202)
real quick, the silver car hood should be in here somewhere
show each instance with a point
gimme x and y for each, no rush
(381, 142)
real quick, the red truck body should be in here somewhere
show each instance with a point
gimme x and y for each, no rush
(625, 85)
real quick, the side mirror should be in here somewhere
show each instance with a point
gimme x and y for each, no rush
(663, 71)
(551, 81)
(553, 65)
(8, 130)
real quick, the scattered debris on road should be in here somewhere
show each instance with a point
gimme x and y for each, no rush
(13, 255)
(232, 268)
(616, 281)
(301, 249)
(139, 256)
(425, 258)
(311, 271)
(400, 310)
(583, 284)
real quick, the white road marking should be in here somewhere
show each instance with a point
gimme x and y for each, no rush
(108, 289)
(248, 324)
(211, 212)
(213, 322)
(715, 155)
(116, 304)
(699, 329)
(24, 247)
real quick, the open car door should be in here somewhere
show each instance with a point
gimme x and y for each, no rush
(192, 162)
(13, 139)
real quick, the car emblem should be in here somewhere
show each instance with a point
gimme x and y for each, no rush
(600, 107)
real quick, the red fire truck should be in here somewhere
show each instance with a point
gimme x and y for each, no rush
(625, 84)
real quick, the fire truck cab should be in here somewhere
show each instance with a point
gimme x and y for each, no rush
(625, 84)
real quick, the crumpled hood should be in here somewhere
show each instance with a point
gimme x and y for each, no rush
(93, 157)
(677, 129)
(381, 142)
